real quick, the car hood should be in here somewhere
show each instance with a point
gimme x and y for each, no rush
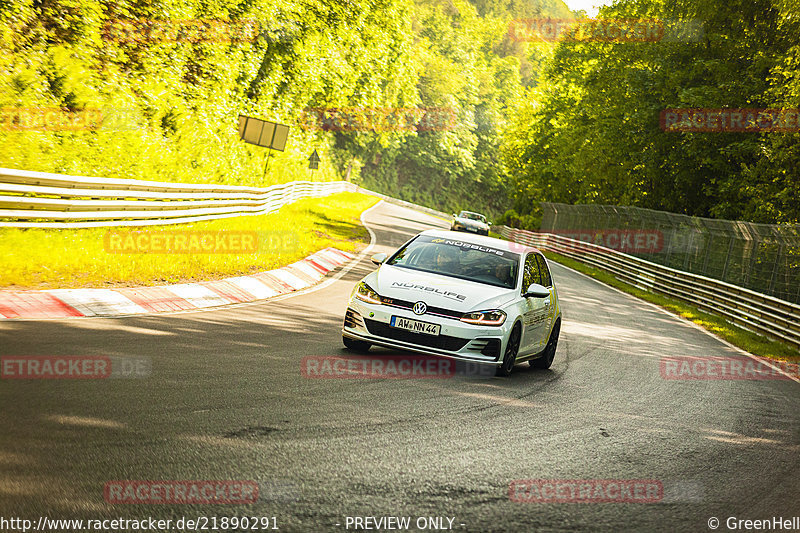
(471, 223)
(437, 290)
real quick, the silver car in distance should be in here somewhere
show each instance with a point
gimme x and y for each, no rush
(470, 222)
(467, 297)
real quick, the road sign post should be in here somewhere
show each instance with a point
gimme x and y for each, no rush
(313, 163)
(269, 151)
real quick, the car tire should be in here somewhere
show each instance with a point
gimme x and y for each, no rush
(549, 352)
(356, 345)
(510, 355)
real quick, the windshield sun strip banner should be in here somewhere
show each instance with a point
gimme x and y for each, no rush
(468, 245)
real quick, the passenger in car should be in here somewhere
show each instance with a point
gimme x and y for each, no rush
(503, 273)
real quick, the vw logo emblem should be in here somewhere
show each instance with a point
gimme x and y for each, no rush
(420, 308)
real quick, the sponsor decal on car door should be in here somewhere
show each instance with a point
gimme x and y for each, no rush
(534, 316)
(534, 319)
(550, 303)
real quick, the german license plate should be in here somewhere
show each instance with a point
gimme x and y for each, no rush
(416, 326)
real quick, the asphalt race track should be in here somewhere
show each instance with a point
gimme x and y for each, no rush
(225, 400)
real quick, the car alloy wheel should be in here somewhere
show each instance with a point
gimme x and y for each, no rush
(510, 356)
(546, 359)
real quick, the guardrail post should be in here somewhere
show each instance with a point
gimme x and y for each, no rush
(797, 297)
(727, 258)
(771, 289)
(689, 247)
(669, 246)
(753, 258)
(709, 244)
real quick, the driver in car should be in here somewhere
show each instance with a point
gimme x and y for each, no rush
(446, 260)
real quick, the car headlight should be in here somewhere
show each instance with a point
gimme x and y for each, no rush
(365, 293)
(495, 317)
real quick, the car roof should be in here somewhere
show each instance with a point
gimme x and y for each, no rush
(482, 240)
(470, 213)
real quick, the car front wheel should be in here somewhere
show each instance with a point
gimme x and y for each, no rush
(510, 356)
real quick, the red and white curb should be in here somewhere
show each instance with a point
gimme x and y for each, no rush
(68, 303)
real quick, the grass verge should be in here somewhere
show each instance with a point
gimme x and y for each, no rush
(58, 258)
(746, 340)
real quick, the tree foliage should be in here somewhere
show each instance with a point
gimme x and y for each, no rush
(176, 98)
(590, 133)
(575, 121)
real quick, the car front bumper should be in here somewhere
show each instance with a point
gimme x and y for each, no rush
(470, 229)
(457, 340)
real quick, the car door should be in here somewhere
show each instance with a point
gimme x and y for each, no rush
(550, 303)
(534, 309)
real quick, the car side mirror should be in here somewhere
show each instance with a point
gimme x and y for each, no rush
(455, 216)
(536, 291)
(489, 223)
(378, 259)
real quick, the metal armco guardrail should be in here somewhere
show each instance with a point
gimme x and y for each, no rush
(763, 314)
(42, 200)
(761, 257)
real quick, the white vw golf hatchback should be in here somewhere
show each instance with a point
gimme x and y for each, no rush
(466, 297)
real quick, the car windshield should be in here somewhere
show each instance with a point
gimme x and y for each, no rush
(459, 259)
(472, 216)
